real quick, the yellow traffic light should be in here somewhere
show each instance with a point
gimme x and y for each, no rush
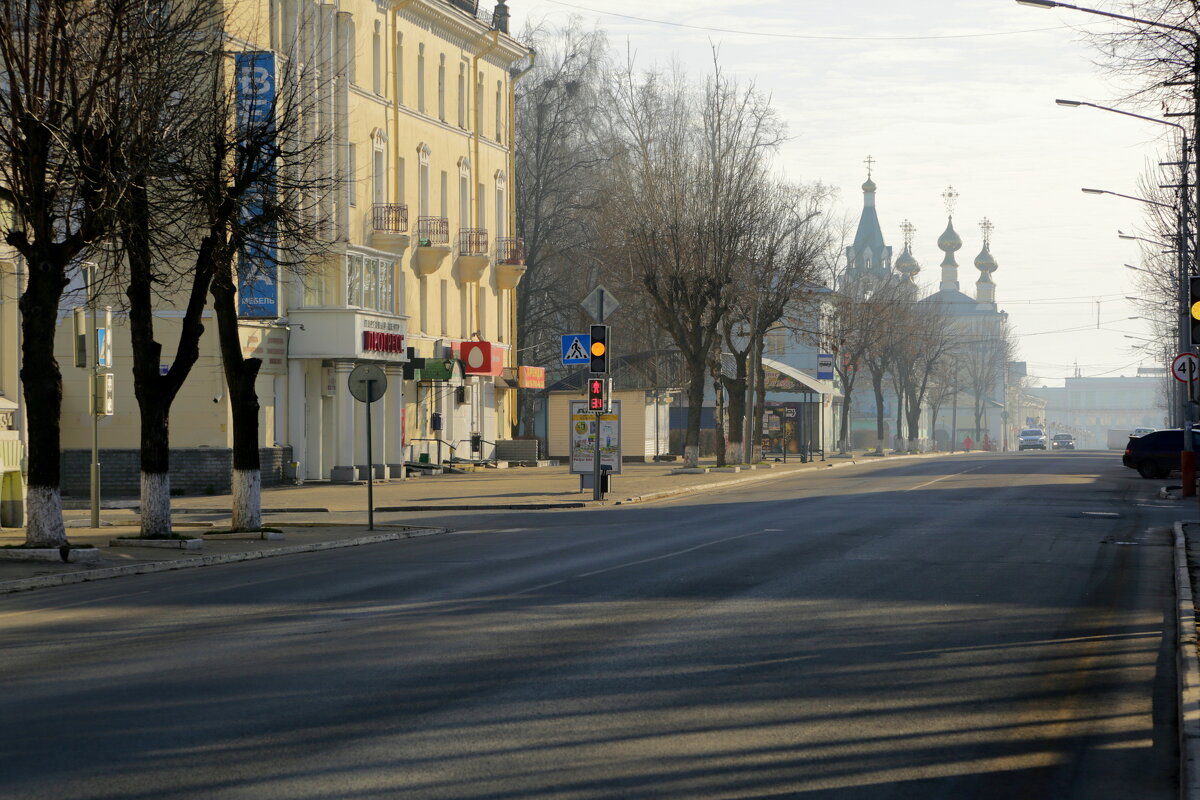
(1196, 310)
(598, 347)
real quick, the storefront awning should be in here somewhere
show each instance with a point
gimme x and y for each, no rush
(807, 381)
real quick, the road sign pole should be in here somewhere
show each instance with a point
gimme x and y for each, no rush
(370, 463)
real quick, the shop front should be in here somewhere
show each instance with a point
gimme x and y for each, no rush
(327, 427)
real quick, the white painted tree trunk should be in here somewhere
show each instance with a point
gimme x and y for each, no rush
(247, 499)
(913, 446)
(44, 520)
(691, 455)
(156, 504)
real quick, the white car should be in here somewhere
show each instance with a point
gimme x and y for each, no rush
(1032, 439)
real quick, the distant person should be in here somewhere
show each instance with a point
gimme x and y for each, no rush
(968, 443)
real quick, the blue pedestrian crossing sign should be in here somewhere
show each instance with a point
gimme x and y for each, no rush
(575, 347)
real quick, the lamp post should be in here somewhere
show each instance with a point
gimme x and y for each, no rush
(1187, 459)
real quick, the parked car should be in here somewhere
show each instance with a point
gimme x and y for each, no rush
(1156, 454)
(1032, 439)
(1062, 441)
(1142, 431)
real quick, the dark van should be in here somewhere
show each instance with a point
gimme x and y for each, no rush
(1156, 454)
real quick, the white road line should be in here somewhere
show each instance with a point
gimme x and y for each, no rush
(944, 477)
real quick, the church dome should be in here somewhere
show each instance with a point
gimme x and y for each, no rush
(869, 186)
(949, 241)
(985, 262)
(906, 265)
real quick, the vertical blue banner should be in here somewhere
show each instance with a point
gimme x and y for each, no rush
(258, 269)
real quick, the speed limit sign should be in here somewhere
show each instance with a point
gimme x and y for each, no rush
(1185, 367)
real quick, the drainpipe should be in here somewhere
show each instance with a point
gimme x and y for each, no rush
(512, 216)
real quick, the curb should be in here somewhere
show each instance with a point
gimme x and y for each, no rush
(488, 507)
(67, 578)
(1188, 668)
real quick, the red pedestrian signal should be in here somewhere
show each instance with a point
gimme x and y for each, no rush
(596, 394)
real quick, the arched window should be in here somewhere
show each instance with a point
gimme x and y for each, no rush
(462, 95)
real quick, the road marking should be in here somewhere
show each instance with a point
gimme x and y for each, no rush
(541, 586)
(944, 477)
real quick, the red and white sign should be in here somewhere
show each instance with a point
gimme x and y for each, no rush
(1185, 367)
(481, 358)
(380, 342)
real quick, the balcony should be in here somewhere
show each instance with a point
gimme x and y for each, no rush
(473, 256)
(389, 227)
(433, 244)
(510, 262)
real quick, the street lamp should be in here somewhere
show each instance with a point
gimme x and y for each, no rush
(1085, 190)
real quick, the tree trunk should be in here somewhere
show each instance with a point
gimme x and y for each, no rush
(695, 395)
(42, 382)
(844, 423)
(880, 432)
(240, 376)
(760, 406)
(722, 440)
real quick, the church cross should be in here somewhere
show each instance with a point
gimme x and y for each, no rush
(869, 162)
(986, 226)
(908, 229)
(951, 199)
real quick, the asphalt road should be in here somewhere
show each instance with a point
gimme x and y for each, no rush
(947, 628)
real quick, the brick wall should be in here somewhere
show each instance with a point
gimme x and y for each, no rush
(194, 470)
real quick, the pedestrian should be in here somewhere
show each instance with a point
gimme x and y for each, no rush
(968, 443)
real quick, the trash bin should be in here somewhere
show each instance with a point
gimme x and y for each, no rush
(12, 499)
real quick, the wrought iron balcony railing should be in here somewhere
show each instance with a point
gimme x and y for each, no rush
(433, 230)
(510, 250)
(473, 241)
(390, 218)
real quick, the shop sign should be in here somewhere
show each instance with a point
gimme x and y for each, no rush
(481, 358)
(436, 369)
(378, 342)
(531, 377)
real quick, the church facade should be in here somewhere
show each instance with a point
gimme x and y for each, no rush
(977, 386)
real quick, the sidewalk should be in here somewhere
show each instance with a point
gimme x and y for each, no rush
(319, 515)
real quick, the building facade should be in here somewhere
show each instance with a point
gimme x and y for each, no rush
(416, 99)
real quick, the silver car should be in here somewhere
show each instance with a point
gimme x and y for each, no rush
(1032, 439)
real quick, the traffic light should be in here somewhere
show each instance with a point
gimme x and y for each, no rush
(1194, 310)
(596, 394)
(599, 351)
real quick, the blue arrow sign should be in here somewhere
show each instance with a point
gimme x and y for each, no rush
(575, 348)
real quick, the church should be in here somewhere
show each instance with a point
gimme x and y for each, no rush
(980, 381)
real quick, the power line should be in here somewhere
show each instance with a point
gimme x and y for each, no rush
(710, 29)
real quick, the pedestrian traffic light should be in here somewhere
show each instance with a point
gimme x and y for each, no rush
(599, 351)
(596, 394)
(1194, 310)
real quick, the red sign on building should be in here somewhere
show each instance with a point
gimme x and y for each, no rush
(379, 342)
(481, 358)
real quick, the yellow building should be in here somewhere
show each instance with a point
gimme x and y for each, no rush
(11, 422)
(424, 263)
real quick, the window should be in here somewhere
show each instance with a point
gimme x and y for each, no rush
(499, 211)
(400, 181)
(478, 126)
(348, 44)
(445, 207)
(354, 280)
(481, 212)
(400, 68)
(482, 304)
(462, 95)
(351, 174)
(501, 329)
(464, 202)
(499, 116)
(379, 175)
(421, 78)
(424, 303)
(317, 286)
(376, 62)
(370, 283)
(445, 307)
(442, 88)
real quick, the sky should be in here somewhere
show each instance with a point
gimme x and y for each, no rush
(943, 93)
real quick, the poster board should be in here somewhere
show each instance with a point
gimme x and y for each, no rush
(583, 424)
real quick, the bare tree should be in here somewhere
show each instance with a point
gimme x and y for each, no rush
(926, 342)
(783, 253)
(560, 146)
(984, 354)
(686, 188)
(72, 76)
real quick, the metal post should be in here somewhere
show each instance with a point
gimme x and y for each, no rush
(954, 413)
(93, 374)
(1187, 459)
(370, 462)
(596, 493)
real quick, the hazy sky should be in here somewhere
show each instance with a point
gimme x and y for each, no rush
(943, 92)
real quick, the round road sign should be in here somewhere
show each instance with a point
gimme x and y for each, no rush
(367, 383)
(1185, 367)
